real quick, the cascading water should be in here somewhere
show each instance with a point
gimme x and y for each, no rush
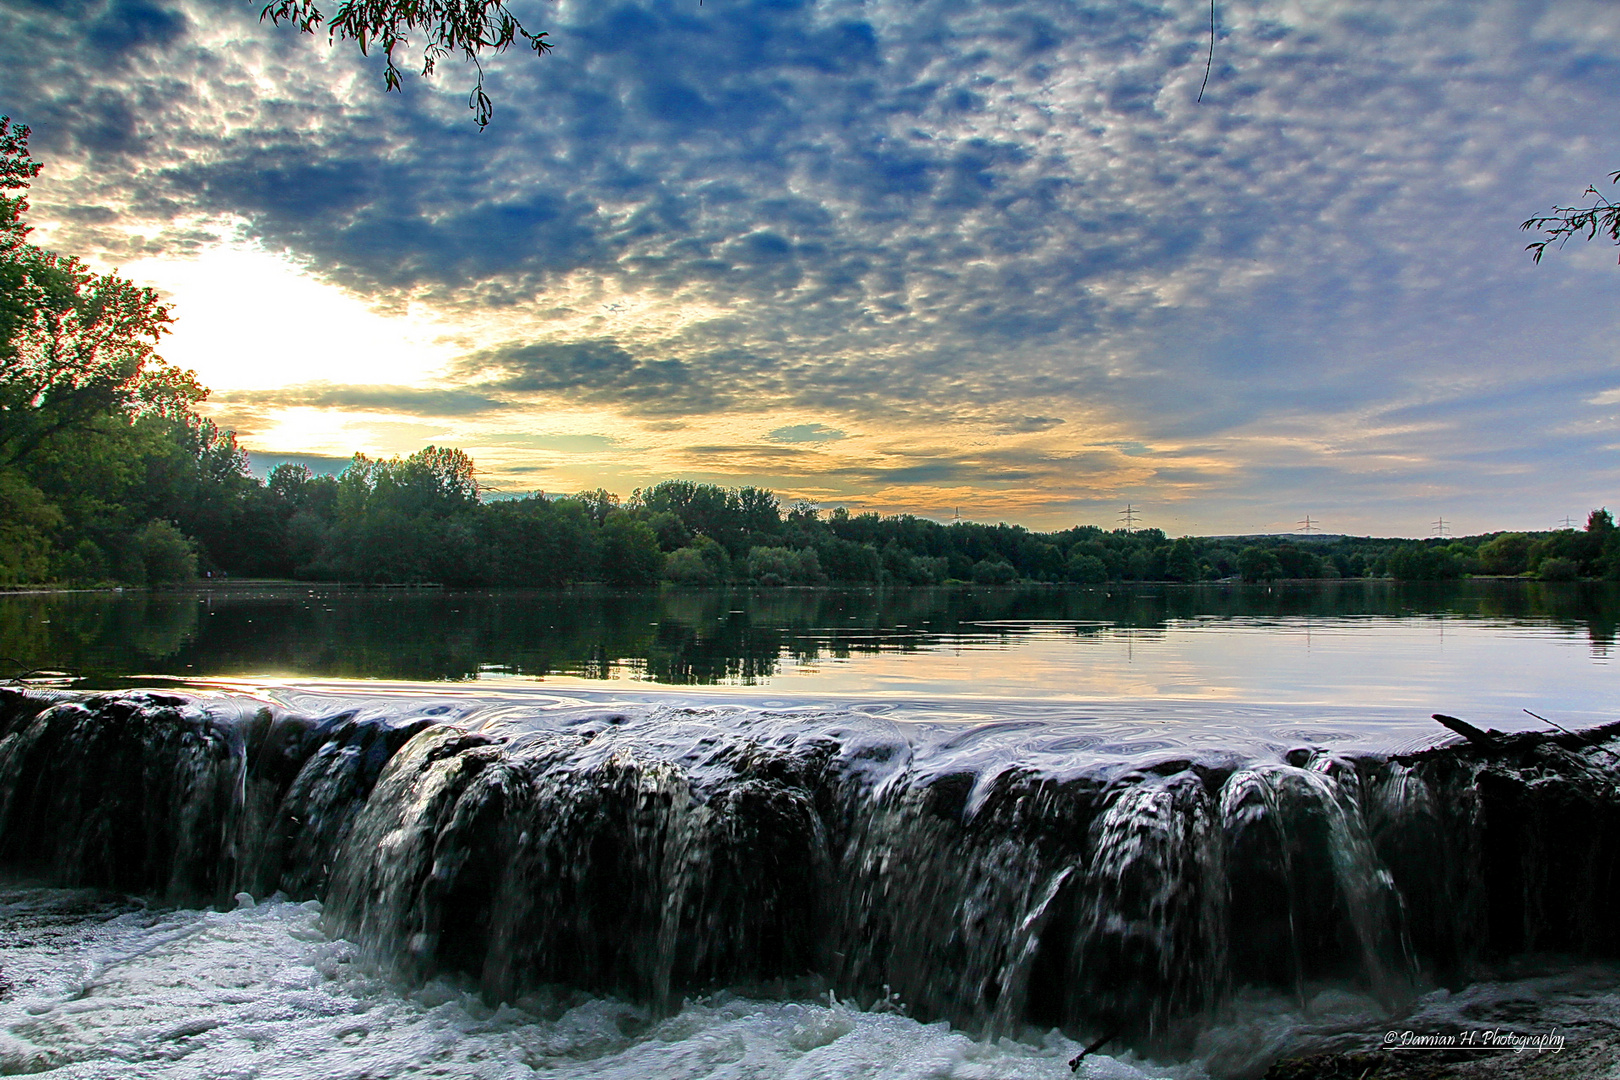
(655, 855)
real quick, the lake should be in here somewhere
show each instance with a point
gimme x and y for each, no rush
(1363, 662)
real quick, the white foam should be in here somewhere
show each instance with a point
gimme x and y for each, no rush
(104, 988)
(101, 987)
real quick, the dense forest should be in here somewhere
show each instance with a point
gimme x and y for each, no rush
(109, 474)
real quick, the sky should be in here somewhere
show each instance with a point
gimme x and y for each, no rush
(993, 259)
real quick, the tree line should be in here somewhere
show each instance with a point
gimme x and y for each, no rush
(109, 474)
(190, 506)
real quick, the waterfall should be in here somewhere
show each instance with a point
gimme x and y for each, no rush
(653, 857)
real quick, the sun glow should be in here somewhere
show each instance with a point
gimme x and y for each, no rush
(247, 319)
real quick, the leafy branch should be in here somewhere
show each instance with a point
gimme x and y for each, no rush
(470, 28)
(1567, 221)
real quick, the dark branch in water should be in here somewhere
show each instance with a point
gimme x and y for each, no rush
(1074, 1063)
(1467, 730)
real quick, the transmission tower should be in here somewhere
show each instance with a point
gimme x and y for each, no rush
(1129, 516)
(1308, 525)
(1440, 527)
(1568, 522)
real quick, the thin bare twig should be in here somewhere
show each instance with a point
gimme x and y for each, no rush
(1576, 734)
(1209, 61)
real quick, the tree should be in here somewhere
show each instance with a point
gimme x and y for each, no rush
(598, 502)
(1602, 216)
(630, 552)
(164, 555)
(1255, 563)
(1085, 569)
(17, 172)
(99, 437)
(1558, 569)
(1420, 562)
(994, 571)
(1505, 554)
(1182, 562)
(704, 563)
(784, 566)
(74, 345)
(472, 28)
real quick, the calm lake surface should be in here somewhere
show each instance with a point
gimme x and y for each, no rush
(1366, 661)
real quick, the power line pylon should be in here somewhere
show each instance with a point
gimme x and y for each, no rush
(1440, 527)
(1129, 516)
(1308, 525)
(1568, 522)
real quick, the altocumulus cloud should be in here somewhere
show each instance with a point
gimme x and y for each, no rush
(386, 399)
(1013, 219)
(805, 433)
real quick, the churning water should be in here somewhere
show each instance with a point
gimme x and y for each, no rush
(101, 987)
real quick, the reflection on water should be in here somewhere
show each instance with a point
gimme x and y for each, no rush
(1446, 645)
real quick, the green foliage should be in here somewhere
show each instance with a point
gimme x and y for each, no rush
(27, 523)
(1601, 215)
(1255, 563)
(164, 556)
(903, 567)
(1504, 554)
(82, 348)
(98, 435)
(630, 552)
(85, 564)
(541, 542)
(731, 517)
(1298, 562)
(1558, 568)
(598, 502)
(994, 571)
(75, 346)
(1415, 562)
(1182, 562)
(471, 28)
(704, 563)
(784, 566)
(846, 560)
(1085, 569)
(17, 172)
(672, 535)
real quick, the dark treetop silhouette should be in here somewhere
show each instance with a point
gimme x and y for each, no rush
(470, 28)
